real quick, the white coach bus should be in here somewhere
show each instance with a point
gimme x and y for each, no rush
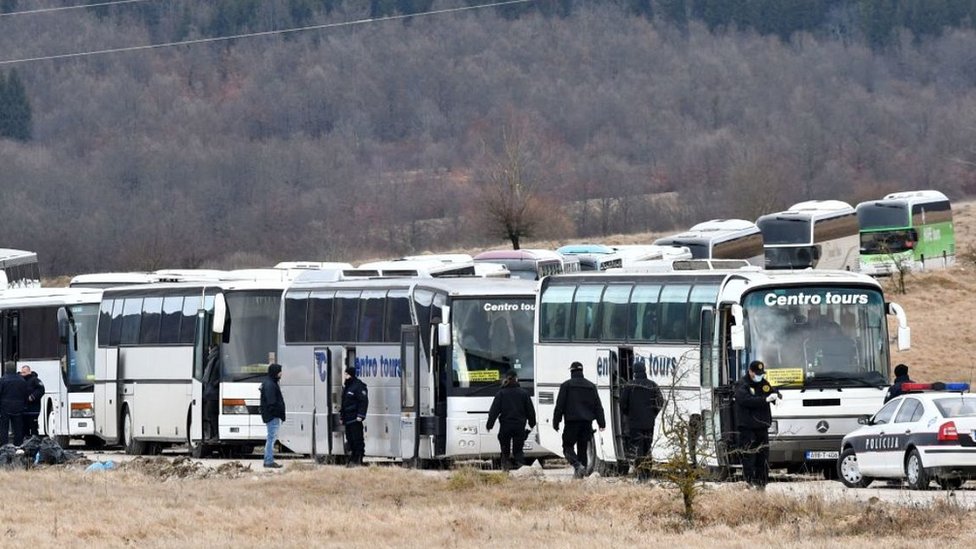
(18, 269)
(52, 330)
(818, 234)
(432, 352)
(721, 239)
(152, 384)
(822, 335)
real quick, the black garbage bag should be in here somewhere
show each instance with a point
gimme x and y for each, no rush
(32, 445)
(12, 457)
(51, 452)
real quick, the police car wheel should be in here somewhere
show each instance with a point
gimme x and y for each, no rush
(918, 479)
(848, 471)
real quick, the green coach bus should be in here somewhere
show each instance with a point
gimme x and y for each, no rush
(912, 228)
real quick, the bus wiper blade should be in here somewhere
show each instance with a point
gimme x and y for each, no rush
(844, 379)
(247, 377)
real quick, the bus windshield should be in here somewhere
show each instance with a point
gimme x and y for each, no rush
(253, 334)
(785, 230)
(491, 337)
(879, 215)
(81, 372)
(698, 250)
(885, 242)
(819, 336)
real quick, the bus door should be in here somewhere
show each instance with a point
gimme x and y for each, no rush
(68, 339)
(719, 363)
(409, 393)
(324, 412)
(207, 325)
(10, 321)
(621, 363)
(335, 383)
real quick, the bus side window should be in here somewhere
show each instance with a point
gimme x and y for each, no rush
(674, 312)
(296, 317)
(644, 312)
(554, 313)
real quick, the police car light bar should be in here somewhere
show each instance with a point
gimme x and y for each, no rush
(957, 387)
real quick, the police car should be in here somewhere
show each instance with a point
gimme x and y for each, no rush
(928, 433)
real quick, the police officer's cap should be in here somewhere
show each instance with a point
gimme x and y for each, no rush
(757, 366)
(575, 366)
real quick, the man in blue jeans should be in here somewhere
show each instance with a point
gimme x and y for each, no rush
(272, 412)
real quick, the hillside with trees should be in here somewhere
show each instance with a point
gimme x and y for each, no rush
(400, 136)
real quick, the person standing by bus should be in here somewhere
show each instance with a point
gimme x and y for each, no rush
(13, 401)
(640, 402)
(272, 412)
(753, 395)
(355, 402)
(512, 407)
(901, 376)
(579, 403)
(35, 390)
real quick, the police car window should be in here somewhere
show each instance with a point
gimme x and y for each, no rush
(919, 412)
(956, 406)
(884, 415)
(907, 410)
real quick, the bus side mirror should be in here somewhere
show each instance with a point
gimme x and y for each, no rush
(63, 327)
(904, 338)
(904, 331)
(444, 334)
(864, 420)
(737, 332)
(220, 313)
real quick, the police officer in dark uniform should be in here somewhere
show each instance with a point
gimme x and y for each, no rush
(35, 391)
(579, 403)
(13, 402)
(901, 376)
(513, 407)
(753, 395)
(640, 402)
(355, 401)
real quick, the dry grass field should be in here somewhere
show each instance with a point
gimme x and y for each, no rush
(390, 507)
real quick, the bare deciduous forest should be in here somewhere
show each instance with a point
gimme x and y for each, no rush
(380, 139)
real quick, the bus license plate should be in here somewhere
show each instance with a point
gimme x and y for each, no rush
(811, 455)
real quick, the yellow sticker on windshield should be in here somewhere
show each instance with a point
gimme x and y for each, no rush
(785, 376)
(484, 375)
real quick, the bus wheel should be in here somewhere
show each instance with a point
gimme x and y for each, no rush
(52, 429)
(133, 447)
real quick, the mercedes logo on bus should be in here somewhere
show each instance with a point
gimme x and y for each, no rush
(823, 426)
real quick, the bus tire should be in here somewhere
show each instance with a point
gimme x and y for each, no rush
(198, 449)
(132, 446)
(94, 443)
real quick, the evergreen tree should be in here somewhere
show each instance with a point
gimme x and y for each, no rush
(15, 109)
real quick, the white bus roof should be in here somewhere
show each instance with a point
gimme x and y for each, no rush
(632, 253)
(201, 285)
(312, 265)
(821, 206)
(107, 280)
(406, 267)
(49, 296)
(724, 225)
(8, 254)
(443, 258)
(915, 196)
(685, 265)
(451, 286)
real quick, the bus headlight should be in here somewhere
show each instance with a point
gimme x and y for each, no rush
(82, 410)
(233, 406)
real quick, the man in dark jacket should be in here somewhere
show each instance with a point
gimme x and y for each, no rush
(13, 401)
(272, 411)
(640, 403)
(753, 395)
(355, 402)
(579, 403)
(513, 407)
(35, 388)
(901, 376)
(211, 393)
